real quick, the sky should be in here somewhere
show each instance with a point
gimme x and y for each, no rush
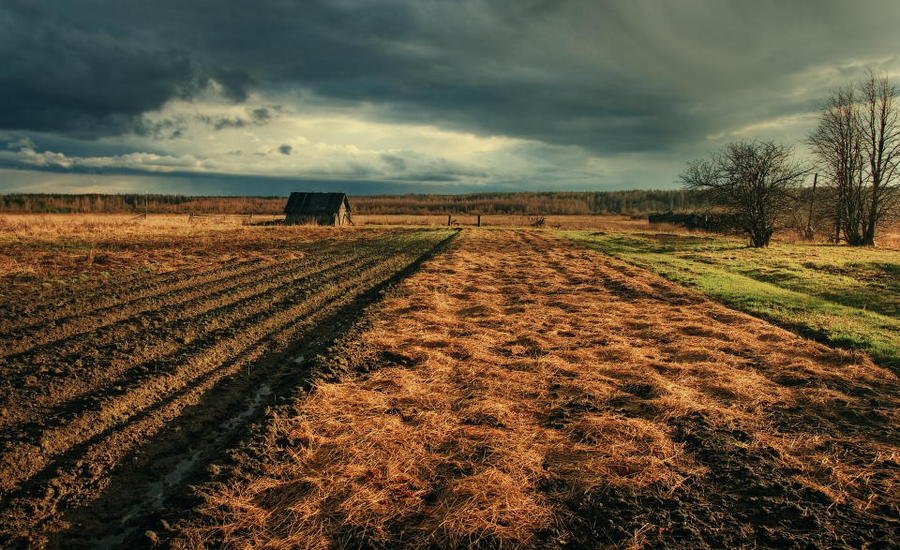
(232, 97)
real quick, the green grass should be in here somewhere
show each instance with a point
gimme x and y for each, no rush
(847, 297)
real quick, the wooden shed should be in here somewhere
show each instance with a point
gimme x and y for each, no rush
(318, 208)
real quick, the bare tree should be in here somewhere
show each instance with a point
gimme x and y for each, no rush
(753, 180)
(857, 142)
(881, 150)
(837, 142)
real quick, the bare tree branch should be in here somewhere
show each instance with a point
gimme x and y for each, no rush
(857, 143)
(752, 179)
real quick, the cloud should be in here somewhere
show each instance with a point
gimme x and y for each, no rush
(394, 161)
(595, 91)
(260, 115)
(89, 74)
(20, 144)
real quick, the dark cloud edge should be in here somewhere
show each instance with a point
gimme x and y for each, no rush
(224, 184)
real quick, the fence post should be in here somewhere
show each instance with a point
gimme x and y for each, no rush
(449, 219)
(479, 220)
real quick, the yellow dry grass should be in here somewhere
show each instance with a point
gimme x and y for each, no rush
(563, 221)
(520, 374)
(56, 225)
(121, 225)
(45, 252)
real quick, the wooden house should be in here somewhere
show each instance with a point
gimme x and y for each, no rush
(318, 209)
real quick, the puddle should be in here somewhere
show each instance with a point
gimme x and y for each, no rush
(155, 494)
(264, 391)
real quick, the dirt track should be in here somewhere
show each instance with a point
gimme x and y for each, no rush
(114, 395)
(534, 393)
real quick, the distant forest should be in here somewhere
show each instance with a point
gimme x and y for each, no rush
(606, 202)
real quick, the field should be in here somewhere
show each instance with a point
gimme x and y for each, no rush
(840, 295)
(610, 223)
(94, 368)
(205, 384)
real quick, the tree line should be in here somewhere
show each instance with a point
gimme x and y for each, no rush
(635, 202)
(856, 187)
(98, 203)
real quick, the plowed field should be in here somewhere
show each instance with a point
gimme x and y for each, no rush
(419, 388)
(114, 392)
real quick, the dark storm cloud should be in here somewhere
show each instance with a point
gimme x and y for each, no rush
(69, 67)
(395, 162)
(611, 77)
(170, 128)
(260, 115)
(220, 123)
(220, 184)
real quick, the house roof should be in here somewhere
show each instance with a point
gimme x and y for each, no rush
(315, 203)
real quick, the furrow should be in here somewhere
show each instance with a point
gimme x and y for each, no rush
(110, 290)
(36, 335)
(188, 326)
(208, 365)
(117, 296)
(132, 285)
(194, 298)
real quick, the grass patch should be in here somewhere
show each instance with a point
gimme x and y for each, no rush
(843, 296)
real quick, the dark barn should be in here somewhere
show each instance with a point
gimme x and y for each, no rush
(318, 208)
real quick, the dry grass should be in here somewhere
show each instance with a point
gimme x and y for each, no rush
(41, 253)
(889, 237)
(533, 393)
(53, 252)
(56, 225)
(53, 225)
(601, 222)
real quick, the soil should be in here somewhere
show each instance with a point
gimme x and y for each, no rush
(411, 388)
(117, 397)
